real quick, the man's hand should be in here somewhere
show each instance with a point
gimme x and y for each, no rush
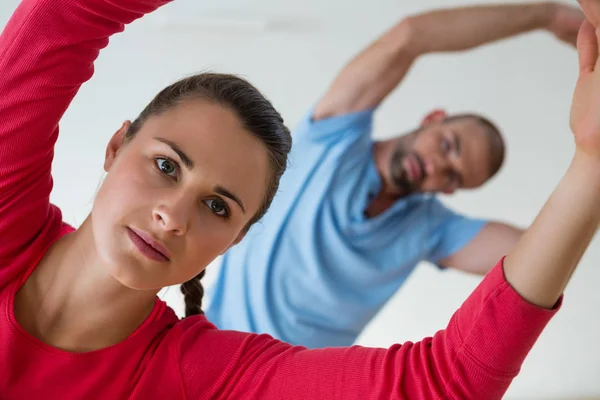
(565, 22)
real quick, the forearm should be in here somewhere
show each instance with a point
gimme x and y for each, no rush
(495, 240)
(377, 70)
(370, 76)
(47, 51)
(543, 261)
(467, 27)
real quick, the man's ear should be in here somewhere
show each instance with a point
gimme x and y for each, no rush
(434, 117)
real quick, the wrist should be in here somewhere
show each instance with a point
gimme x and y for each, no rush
(546, 14)
(586, 167)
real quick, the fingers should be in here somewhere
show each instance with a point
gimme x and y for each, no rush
(587, 47)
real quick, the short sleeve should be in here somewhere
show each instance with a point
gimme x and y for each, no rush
(449, 231)
(349, 126)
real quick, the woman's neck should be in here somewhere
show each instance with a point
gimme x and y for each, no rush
(71, 302)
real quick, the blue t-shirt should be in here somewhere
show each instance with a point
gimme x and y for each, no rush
(316, 270)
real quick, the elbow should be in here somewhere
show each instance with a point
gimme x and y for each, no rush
(405, 37)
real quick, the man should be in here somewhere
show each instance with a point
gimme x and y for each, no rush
(354, 217)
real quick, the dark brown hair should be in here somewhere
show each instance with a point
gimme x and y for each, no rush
(255, 113)
(496, 142)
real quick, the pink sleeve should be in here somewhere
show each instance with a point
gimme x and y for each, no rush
(47, 51)
(476, 357)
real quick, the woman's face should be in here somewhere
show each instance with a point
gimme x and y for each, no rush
(177, 195)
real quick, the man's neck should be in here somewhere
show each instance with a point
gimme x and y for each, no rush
(381, 202)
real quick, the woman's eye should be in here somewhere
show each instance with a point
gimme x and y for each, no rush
(167, 167)
(218, 207)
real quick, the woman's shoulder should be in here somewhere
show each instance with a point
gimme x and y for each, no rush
(213, 361)
(25, 260)
(197, 329)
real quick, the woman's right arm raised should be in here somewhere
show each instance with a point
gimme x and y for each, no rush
(47, 51)
(487, 339)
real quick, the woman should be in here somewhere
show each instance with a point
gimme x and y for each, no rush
(80, 317)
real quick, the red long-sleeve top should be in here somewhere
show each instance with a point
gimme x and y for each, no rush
(47, 51)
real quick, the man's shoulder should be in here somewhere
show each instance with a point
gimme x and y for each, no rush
(335, 127)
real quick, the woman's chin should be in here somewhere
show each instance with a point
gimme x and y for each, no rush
(131, 273)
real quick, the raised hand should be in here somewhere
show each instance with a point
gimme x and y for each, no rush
(585, 108)
(543, 261)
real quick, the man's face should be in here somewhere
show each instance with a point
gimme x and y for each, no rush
(442, 156)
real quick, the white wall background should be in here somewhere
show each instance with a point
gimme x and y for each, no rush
(292, 50)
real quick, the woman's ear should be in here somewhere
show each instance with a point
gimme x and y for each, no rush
(115, 144)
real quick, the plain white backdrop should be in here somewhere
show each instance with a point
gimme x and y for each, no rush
(292, 51)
